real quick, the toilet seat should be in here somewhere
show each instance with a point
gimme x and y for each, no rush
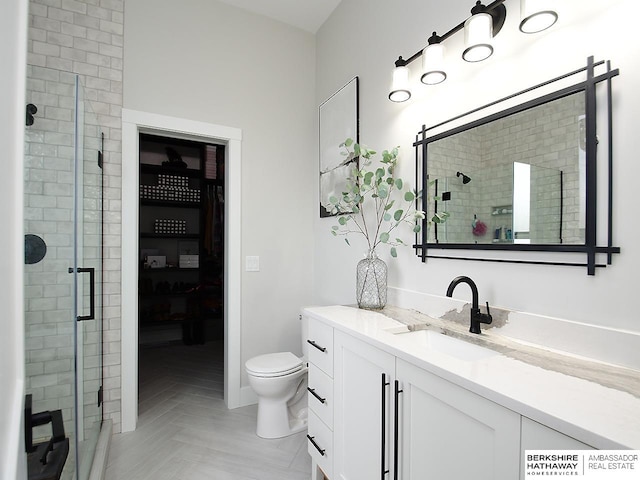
(274, 365)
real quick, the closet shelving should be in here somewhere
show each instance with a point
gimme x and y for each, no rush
(180, 236)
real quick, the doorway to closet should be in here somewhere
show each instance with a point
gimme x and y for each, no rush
(133, 123)
(181, 274)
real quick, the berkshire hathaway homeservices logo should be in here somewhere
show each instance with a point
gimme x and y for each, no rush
(583, 464)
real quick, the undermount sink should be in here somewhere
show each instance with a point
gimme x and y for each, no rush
(448, 345)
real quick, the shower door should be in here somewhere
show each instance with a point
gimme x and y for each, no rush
(63, 262)
(87, 273)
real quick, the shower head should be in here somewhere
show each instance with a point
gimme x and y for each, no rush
(465, 179)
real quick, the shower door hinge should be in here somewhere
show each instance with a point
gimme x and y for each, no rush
(100, 395)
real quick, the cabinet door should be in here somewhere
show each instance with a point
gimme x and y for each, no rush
(359, 428)
(447, 432)
(535, 436)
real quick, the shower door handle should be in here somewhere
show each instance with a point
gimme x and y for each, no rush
(92, 293)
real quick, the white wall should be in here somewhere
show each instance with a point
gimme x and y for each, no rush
(13, 51)
(364, 37)
(207, 61)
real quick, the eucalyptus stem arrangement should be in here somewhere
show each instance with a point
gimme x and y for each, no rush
(381, 186)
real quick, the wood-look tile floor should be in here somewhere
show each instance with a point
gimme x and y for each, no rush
(185, 431)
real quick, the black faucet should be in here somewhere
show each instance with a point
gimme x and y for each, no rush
(476, 317)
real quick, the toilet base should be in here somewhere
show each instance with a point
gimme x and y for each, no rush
(275, 420)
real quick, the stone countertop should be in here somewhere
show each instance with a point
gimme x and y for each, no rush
(607, 375)
(593, 402)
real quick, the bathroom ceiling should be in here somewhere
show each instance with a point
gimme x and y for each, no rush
(307, 15)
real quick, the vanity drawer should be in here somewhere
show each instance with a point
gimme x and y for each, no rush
(320, 398)
(320, 443)
(320, 346)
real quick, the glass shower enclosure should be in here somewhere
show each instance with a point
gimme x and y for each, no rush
(63, 262)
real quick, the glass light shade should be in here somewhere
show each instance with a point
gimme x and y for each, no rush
(478, 34)
(433, 64)
(400, 86)
(536, 16)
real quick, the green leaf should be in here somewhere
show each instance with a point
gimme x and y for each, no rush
(333, 200)
(355, 209)
(347, 240)
(398, 215)
(384, 237)
(399, 184)
(435, 219)
(409, 197)
(367, 178)
(334, 233)
(343, 221)
(356, 150)
(348, 142)
(390, 181)
(416, 228)
(399, 241)
(335, 227)
(389, 205)
(380, 173)
(394, 254)
(383, 191)
(387, 217)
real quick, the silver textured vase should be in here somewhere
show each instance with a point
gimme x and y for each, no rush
(371, 282)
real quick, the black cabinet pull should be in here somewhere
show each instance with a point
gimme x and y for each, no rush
(313, 442)
(312, 391)
(383, 454)
(396, 429)
(311, 342)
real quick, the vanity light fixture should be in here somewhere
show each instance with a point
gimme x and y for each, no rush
(400, 86)
(536, 16)
(478, 35)
(433, 62)
(479, 30)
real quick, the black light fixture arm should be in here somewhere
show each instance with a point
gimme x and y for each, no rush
(497, 11)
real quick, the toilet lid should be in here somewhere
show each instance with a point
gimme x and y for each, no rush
(274, 364)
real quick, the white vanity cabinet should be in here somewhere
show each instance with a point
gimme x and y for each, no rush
(449, 432)
(376, 414)
(363, 380)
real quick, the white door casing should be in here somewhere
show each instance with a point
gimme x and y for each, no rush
(134, 123)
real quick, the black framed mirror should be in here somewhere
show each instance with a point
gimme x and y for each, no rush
(523, 179)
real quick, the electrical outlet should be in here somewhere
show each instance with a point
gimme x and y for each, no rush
(252, 264)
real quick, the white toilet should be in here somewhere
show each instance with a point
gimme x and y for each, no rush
(280, 381)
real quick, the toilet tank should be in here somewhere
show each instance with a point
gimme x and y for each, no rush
(305, 335)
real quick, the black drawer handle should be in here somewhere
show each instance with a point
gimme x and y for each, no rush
(383, 436)
(311, 342)
(312, 391)
(396, 429)
(313, 442)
